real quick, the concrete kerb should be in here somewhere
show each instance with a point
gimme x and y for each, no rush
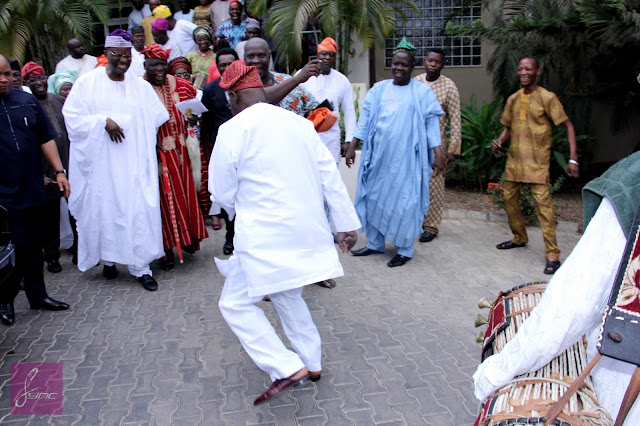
(561, 225)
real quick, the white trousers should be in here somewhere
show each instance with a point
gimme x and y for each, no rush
(257, 335)
(136, 272)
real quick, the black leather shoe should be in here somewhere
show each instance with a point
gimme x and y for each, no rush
(398, 260)
(227, 248)
(7, 315)
(365, 251)
(148, 282)
(54, 267)
(110, 272)
(49, 304)
(427, 236)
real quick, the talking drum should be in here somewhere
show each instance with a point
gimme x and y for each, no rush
(528, 398)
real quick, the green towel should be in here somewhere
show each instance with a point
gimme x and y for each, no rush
(621, 185)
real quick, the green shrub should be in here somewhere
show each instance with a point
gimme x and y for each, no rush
(477, 165)
(527, 202)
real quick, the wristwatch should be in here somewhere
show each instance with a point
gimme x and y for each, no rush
(63, 171)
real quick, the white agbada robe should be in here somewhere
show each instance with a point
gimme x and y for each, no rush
(137, 63)
(572, 306)
(336, 88)
(115, 197)
(182, 33)
(82, 65)
(274, 181)
(270, 169)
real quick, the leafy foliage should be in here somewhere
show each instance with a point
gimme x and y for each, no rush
(477, 164)
(370, 20)
(528, 204)
(40, 28)
(587, 50)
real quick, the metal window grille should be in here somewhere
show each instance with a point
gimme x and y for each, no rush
(426, 30)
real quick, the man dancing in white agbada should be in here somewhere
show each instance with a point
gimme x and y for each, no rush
(270, 167)
(112, 118)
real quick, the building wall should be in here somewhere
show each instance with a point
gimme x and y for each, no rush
(359, 64)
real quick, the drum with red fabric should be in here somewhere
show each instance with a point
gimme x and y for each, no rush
(528, 398)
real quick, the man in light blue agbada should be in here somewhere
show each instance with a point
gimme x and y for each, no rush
(400, 136)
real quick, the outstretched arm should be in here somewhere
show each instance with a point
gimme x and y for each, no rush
(277, 92)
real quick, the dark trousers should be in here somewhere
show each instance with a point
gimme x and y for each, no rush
(230, 226)
(51, 237)
(27, 231)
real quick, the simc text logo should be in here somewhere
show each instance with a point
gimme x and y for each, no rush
(36, 388)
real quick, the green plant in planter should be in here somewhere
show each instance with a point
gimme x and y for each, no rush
(477, 165)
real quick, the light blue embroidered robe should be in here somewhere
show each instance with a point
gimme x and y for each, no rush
(399, 128)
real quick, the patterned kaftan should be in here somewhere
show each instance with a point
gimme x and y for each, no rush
(171, 138)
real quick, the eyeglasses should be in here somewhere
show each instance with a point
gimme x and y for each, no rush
(120, 55)
(34, 79)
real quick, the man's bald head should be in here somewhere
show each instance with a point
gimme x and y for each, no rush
(257, 54)
(76, 48)
(257, 43)
(5, 76)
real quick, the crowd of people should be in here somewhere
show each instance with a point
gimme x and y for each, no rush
(145, 176)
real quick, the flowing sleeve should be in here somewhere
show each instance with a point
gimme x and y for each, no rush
(507, 114)
(341, 207)
(308, 101)
(86, 130)
(571, 306)
(349, 112)
(362, 128)
(155, 108)
(432, 114)
(223, 168)
(555, 111)
(453, 113)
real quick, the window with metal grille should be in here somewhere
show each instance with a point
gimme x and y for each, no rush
(426, 30)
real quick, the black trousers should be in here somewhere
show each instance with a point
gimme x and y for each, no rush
(27, 231)
(230, 226)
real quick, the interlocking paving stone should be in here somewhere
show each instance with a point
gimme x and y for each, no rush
(398, 344)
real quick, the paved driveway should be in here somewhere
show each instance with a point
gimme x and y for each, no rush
(398, 344)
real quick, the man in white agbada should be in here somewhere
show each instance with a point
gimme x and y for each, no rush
(112, 118)
(270, 168)
(182, 32)
(77, 60)
(573, 303)
(336, 88)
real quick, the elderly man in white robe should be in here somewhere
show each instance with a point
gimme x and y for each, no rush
(574, 302)
(112, 118)
(283, 240)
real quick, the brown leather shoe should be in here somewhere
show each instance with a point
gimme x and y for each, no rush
(280, 385)
(314, 376)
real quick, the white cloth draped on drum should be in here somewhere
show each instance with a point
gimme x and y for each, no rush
(572, 306)
(115, 195)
